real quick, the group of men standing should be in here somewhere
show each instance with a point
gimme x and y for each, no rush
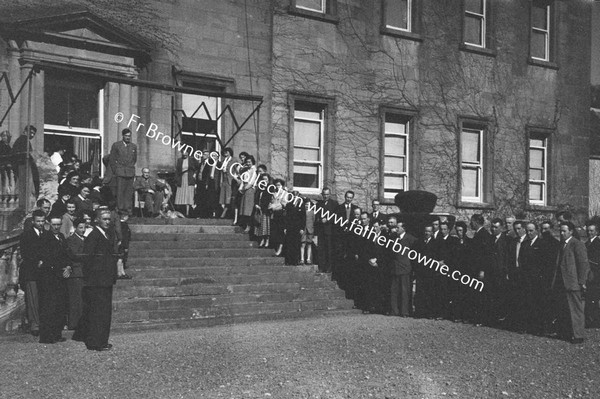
(49, 260)
(532, 281)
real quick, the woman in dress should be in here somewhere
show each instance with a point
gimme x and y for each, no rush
(236, 187)
(247, 190)
(71, 184)
(227, 181)
(294, 223)
(184, 174)
(276, 207)
(262, 201)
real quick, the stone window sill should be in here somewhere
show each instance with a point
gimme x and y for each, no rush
(400, 34)
(475, 205)
(300, 12)
(477, 50)
(543, 64)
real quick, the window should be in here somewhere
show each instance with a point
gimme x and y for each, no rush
(474, 31)
(308, 134)
(538, 162)
(471, 164)
(73, 116)
(397, 14)
(322, 10)
(200, 127)
(312, 5)
(540, 31)
(395, 163)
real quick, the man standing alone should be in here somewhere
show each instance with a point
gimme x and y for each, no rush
(570, 276)
(99, 276)
(123, 156)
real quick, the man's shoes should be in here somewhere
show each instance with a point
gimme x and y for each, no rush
(61, 339)
(77, 338)
(577, 341)
(124, 277)
(35, 333)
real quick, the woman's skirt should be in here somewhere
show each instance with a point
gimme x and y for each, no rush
(277, 226)
(247, 204)
(225, 193)
(264, 227)
(185, 193)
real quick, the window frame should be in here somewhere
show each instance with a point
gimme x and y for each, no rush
(327, 104)
(479, 166)
(320, 163)
(537, 133)
(414, 22)
(547, 33)
(328, 14)
(544, 180)
(82, 132)
(409, 23)
(408, 121)
(483, 23)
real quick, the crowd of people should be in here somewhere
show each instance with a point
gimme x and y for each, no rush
(77, 248)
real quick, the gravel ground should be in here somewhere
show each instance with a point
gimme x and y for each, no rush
(351, 356)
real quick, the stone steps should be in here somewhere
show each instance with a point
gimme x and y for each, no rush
(193, 244)
(142, 262)
(190, 273)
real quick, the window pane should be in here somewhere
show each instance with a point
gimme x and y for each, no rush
(395, 145)
(470, 182)
(394, 164)
(306, 176)
(304, 154)
(536, 158)
(396, 13)
(538, 17)
(536, 192)
(537, 143)
(393, 182)
(68, 103)
(536, 174)
(470, 146)
(399, 128)
(474, 6)
(473, 30)
(307, 134)
(191, 102)
(316, 5)
(307, 114)
(538, 45)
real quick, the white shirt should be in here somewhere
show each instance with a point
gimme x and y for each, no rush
(56, 159)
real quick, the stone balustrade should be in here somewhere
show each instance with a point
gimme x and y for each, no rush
(11, 300)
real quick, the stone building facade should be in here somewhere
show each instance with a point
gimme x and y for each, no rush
(484, 103)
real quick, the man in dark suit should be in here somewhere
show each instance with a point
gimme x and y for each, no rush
(446, 292)
(344, 212)
(424, 277)
(481, 256)
(56, 267)
(31, 245)
(436, 228)
(399, 266)
(572, 269)
(516, 278)
(123, 156)
(377, 215)
(499, 271)
(75, 280)
(325, 231)
(592, 300)
(150, 190)
(534, 261)
(99, 276)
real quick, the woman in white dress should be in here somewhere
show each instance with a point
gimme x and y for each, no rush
(184, 174)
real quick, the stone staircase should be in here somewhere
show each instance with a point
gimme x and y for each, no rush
(190, 272)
